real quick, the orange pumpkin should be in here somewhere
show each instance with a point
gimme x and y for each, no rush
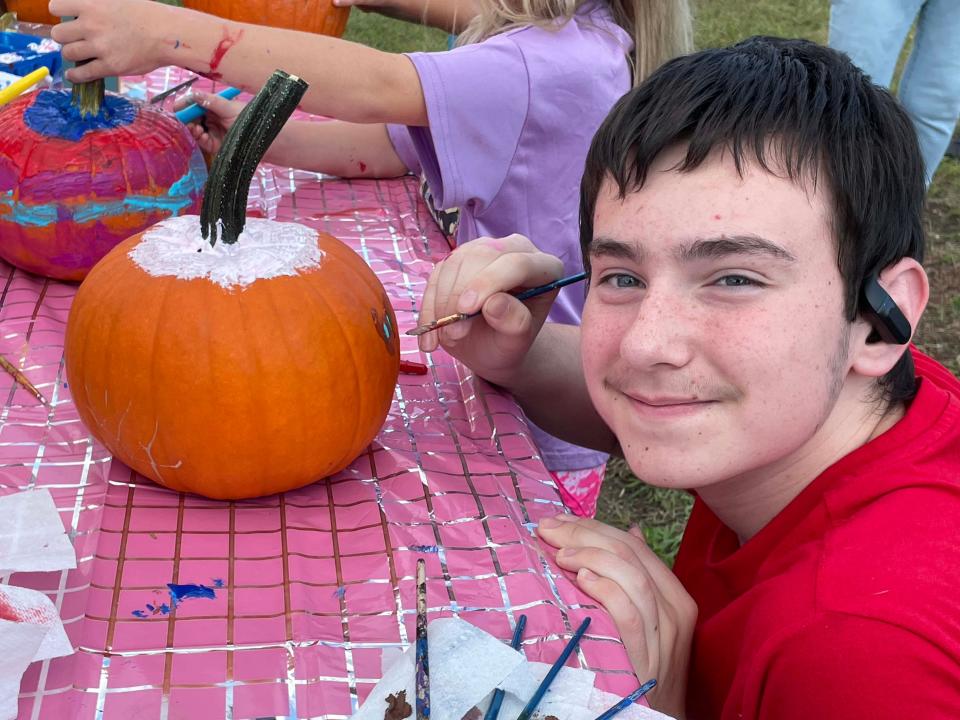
(316, 16)
(33, 11)
(227, 386)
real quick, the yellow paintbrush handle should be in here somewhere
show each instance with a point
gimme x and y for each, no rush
(25, 83)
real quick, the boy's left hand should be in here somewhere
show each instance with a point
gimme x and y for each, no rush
(118, 37)
(653, 612)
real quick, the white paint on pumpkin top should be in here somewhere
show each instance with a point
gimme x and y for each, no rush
(265, 249)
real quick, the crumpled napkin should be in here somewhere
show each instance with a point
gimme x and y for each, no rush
(30, 630)
(468, 664)
(32, 539)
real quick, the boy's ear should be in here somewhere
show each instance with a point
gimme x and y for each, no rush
(906, 284)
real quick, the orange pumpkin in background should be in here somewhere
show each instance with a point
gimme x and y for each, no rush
(32, 11)
(316, 16)
(234, 369)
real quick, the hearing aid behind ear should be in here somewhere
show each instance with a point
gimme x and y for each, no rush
(882, 312)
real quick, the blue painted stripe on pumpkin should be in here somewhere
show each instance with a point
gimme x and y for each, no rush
(35, 215)
(177, 198)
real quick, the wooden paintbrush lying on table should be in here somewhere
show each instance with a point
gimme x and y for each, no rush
(21, 379)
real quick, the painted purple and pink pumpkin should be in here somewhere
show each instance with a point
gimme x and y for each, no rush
(73, 187)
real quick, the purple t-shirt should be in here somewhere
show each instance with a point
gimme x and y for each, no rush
(511, 119)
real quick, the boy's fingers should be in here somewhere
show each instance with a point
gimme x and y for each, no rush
(63, 8)
(67, 32)
(428, 313)
(507, 315)
(93, 70)
(506, 273)
(638, 626)
(78, 51)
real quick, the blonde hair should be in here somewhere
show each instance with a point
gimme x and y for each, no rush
(661, 29)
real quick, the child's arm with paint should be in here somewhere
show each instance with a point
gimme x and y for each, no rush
(451, 16)
(336, 148)
(347, 81)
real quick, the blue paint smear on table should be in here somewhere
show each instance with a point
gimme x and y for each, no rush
(179, 593)
(425, 548)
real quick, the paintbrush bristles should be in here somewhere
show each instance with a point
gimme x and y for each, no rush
(21, 379)
(423, 665)
(437, 324)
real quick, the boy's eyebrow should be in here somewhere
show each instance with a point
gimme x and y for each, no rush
(702, 249)
(607, 247)
(724, 245)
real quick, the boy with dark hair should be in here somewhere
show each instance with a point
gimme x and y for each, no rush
(752, 221)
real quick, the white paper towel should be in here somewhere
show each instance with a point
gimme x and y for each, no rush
(467, 665)
(31, 534)
(30, 630)
(31, 539)
(481, 663)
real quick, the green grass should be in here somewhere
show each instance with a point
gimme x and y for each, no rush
(392, 35)
(625, 500)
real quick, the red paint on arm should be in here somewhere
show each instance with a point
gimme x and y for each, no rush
(227, 42)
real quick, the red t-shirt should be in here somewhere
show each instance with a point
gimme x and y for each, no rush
(847, 604)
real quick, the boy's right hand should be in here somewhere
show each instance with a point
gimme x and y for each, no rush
(220, 115)
(480, 275)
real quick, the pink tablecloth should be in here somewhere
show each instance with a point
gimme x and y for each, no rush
(288, 601)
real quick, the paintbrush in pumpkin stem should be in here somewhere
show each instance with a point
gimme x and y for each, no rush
(224, 206)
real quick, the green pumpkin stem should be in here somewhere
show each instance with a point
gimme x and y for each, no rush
(257, 125)
(88, 98)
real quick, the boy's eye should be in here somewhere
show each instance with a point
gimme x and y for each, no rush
(620, 280)
(736, 281)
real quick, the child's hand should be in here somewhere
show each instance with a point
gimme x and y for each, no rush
(118, 37)
(210, 130)
(653, 612)
(478, 276)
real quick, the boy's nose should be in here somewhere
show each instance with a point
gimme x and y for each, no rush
(660, 334)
